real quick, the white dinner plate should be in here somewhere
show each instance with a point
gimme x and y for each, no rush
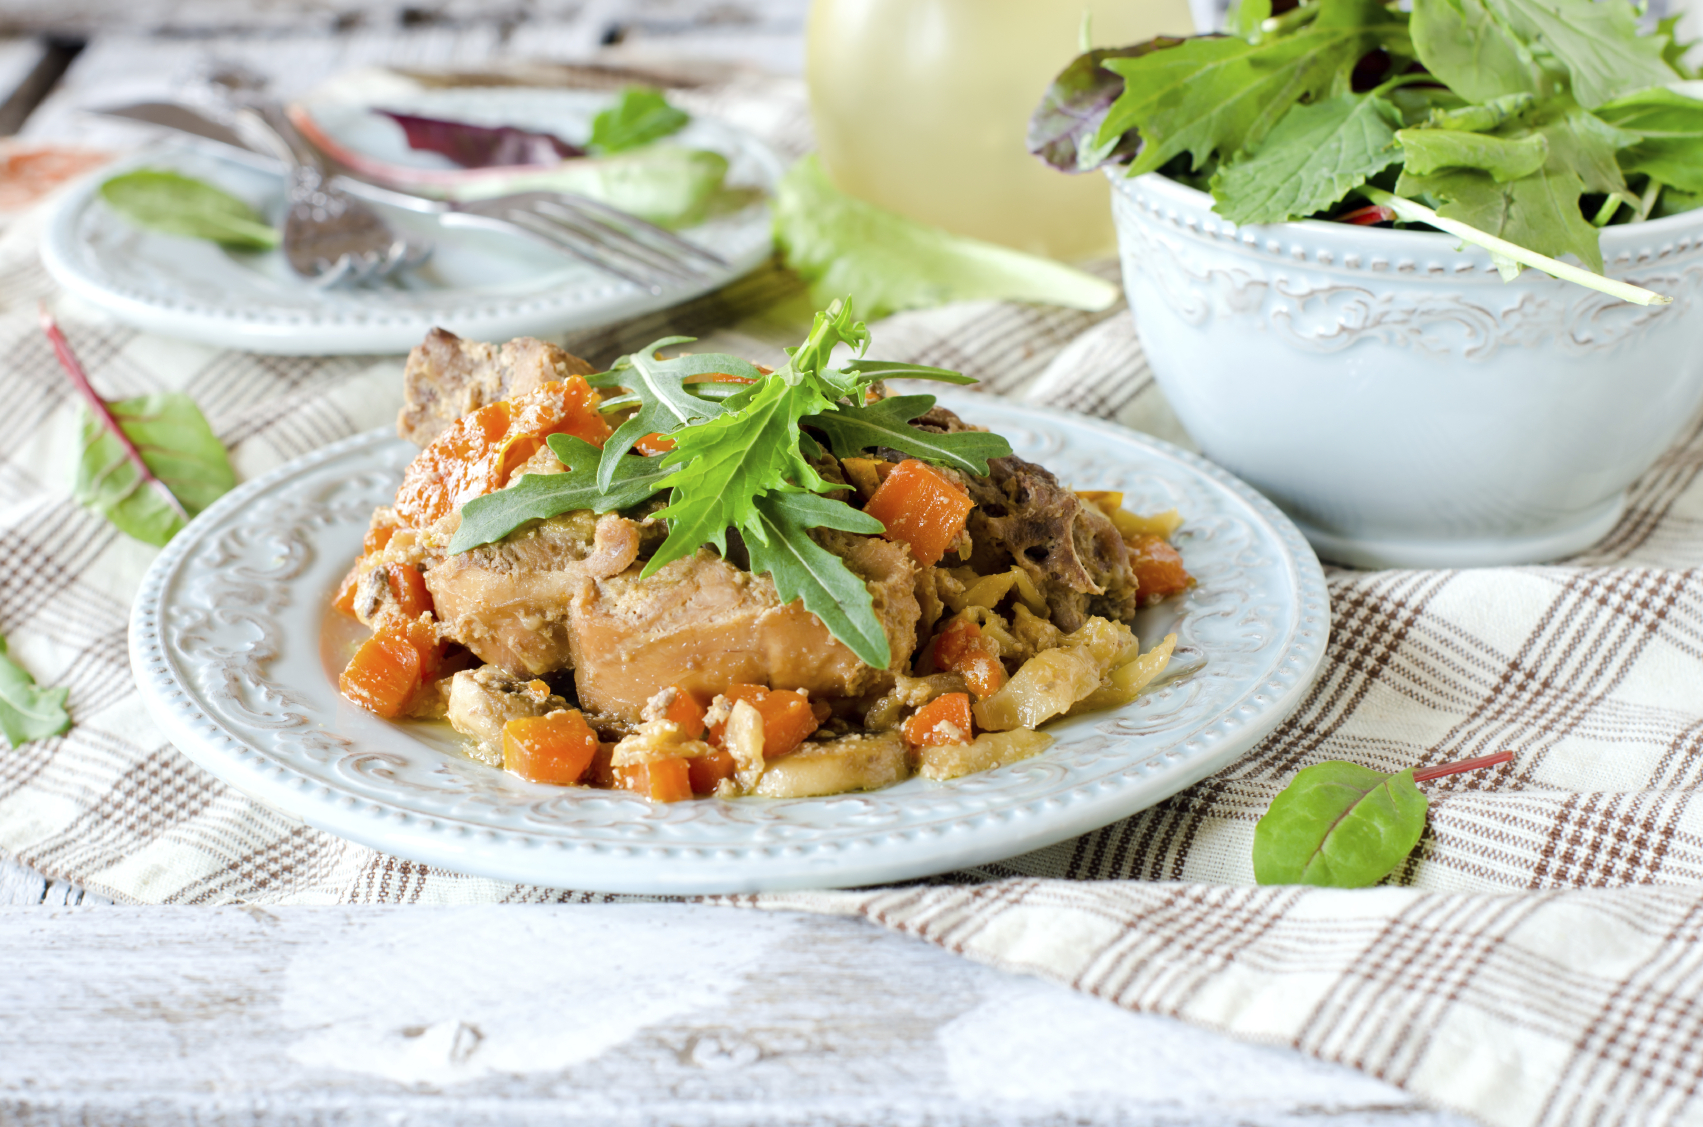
(478, 284)
(237, 652)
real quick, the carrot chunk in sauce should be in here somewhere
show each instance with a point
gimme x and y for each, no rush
(1158, 568)
(557, 748)
(660, 780)
(687, 711)
(706, 771)
(409, 588)
(921, 508)
(962, 648)
(384, 674)
(943, 720)
(788, 718)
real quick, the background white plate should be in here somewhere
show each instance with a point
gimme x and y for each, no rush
(477, 284)
(236, 652)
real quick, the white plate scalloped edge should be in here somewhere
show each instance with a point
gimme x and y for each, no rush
(234, 651)
(488, 286)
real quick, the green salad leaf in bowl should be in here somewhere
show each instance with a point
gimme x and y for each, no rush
(1523, 126)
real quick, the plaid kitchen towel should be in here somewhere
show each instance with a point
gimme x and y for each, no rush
(1540, 961)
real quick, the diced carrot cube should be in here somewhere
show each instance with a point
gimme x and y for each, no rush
(384, 674)
(1158, 568)
(557, 748)
(376, 538)
(962, 648)
(943, 720)
(478, 452)
(788, 718)
(687, 711)
(708, 770)
(409, 588)
(463, 462)
(921, 508)
(660, 780)
(344, 600)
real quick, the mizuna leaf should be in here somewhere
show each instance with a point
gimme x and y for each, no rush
(178, 205)
(659, 387)
(1432, 150)
(1063, 128)
(1212, 97)
(27, 711)
(1338, 825)
(855, 428)
(803, 569)
(176, 445)
(898, 370)
(727, 462)
(641, 116)
(1314, 157)
(488, 519)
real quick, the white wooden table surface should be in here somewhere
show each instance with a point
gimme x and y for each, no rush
(565, 1014)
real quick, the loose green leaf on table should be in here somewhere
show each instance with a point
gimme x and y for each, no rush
(842, 245)
(179, 205)
(854, 428)
(641, 116)
(28, 711)
(803, 569)
(1312, 159)
(175, 443)
(1341, 825)
(487, 519)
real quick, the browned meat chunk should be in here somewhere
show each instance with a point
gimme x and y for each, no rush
(542, 601)
(508, 602)
(1023, 516)
(447, 377)
(704, 624)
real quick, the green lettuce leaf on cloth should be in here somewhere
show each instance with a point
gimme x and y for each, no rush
(28, 711)
(179, 449)
(842, 245)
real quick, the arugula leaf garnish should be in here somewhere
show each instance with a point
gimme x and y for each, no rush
(854, 428)
(659, 388)
(641, 116)
(487, 519)
(740, 461)
(803, 569)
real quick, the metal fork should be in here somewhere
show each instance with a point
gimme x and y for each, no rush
(329, 238)
(604, 237)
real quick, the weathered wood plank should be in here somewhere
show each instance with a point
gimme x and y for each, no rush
(640, 1014)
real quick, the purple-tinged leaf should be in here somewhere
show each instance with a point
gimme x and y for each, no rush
(482, 146)
(1062, 128)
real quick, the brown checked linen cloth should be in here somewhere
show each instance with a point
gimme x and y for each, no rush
(1538, 961)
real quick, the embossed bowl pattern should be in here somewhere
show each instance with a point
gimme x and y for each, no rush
(236, 652)
(1393, 395)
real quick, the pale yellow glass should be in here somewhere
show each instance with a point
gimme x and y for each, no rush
(921, 106)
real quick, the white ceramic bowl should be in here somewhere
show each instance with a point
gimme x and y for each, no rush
(1393, 395)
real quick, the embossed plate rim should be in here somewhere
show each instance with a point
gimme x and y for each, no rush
(598, 842)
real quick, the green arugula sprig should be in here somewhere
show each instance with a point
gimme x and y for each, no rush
(1532, 122)
(741, 462)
